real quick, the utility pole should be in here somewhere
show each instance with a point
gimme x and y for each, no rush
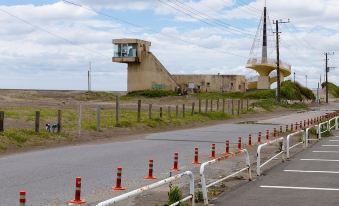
(294, 77)
(277, 22)
(327, 69)
(89, 77)
(306, 80)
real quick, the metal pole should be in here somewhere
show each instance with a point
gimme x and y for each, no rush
(278, 59)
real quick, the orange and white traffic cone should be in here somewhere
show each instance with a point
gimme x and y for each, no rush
(118, 185)
(77, 196)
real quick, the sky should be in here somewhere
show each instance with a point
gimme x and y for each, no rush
(48, 44)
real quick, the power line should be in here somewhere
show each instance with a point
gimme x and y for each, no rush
(136, 25)
(216, 21)
(204, 18)
(50, 33)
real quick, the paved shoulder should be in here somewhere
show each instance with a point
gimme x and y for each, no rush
(310, 178)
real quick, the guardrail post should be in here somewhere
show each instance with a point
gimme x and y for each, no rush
(183, 111)
(206, 105)
(218, 105)
(199, 106)
(223, 105)
(98, 118)
(2, 117)
(139, 111)
(192, 112)
(150, 111)
(169, 112)
(37, 121)
(336, 123)
(117, 111)
(59, 121)
(211, 105)
(176, 111)
(160, 113)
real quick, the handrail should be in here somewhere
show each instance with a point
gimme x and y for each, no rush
(265, 144)
(320, 126)
(307, 135)
(335, 119)
(152, 186)
(288, 142)
(202, 175)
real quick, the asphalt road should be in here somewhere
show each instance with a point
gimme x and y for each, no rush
(311, 178)
(48, 175)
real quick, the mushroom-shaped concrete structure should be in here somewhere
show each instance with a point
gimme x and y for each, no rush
(261, 58)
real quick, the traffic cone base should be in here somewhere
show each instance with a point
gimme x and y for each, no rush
(119, 188)
(78, 202)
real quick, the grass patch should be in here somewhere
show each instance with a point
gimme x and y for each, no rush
(332, 88)
(20, 137)
(271, 104)
(103, 96)
(152, 93)
(294, 91)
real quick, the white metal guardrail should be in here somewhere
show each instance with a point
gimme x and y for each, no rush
(152, 186)
(202, 174)
(307, 135)
(321, 126)
(333, 120)
(288, 147)
(259, 165)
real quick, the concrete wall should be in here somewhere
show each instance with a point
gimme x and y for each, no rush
(149, 74)
(212, 83)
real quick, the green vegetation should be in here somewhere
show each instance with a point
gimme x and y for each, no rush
(103, 96)
(294, 91)
(19, 137)
(289, 91)
(152, 93)
(332, 89)
(271, 104)
(175, 195)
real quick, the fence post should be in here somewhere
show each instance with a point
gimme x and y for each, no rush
(242, 105)
(160, 113)
(223, 105)
(238, 106)
(192, 112)
(2, 117)
(79, 119)
(232, 107)
(150, 111)
(37, 121)
(59, 121)
(228, 107)
(183, 111)
(176, 111)
(211, 105)
(206, 105)
(139, 111)
(218, 105)
(117, 111)
(247, 104)
(169, 112)
(199, 106)
(98, 118)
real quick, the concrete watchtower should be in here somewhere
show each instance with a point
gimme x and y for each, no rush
(144, 70)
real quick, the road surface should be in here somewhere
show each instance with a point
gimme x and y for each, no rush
(49, 175)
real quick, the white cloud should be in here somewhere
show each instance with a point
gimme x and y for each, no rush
(34, 58)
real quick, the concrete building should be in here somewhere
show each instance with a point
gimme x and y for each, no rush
(146, 72)
(211, 83)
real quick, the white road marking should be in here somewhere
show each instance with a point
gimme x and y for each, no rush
(326, 151)
(310, 171)
(320, 160)
(300, 188)
(329, 145)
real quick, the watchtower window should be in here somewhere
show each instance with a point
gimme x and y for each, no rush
(125, 50)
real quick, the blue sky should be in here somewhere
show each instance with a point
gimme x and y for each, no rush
(49, 44)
